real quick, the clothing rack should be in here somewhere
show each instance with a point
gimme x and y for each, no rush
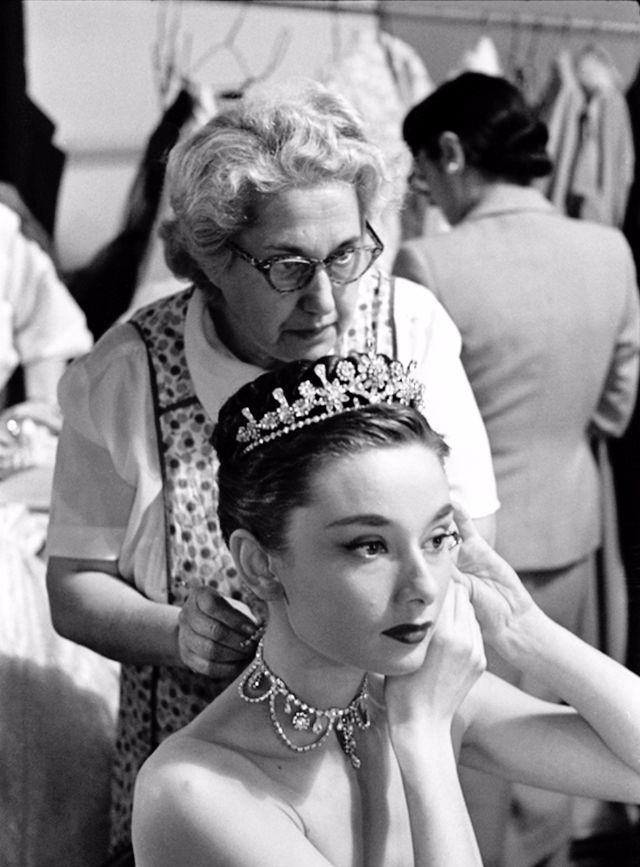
(483, 17)
(489, 17)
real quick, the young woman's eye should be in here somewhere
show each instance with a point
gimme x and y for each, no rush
(368, 547)
(443, 541)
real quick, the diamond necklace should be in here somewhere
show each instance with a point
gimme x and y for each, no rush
(259, 684)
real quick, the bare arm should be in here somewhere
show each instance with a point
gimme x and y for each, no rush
(591, 747)
(441, 829)
(93, 605)
(174, 823)
(41, 379)
(421, 709)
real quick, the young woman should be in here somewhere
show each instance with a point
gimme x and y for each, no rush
(340, 743)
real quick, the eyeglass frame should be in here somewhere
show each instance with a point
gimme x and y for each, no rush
(265, 265)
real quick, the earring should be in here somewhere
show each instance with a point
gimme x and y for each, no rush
(452, 167)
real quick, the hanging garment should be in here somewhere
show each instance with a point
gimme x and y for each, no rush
(29, 160)
(29, 226)
(483, 57)
(104, 288)
(155, 279)
(590, 139)
(57, 717)
(383, 78)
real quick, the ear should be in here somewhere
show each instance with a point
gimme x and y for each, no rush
(254, 563)
(452, 153)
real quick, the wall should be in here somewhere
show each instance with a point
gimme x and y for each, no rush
(90, 67)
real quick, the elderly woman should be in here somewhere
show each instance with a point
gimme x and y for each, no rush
(273, 208)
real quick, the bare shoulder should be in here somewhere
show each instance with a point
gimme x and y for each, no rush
(187, 769)
(193, 802)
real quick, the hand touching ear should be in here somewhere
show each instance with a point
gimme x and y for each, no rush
(454, 661)
(498, 596)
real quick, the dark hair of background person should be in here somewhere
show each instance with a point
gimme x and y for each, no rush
(259, 488)
(501, 134)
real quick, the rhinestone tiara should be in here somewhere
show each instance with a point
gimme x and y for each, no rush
(356, 381)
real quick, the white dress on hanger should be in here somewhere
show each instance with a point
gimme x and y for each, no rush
(383, 78)
(57, 715)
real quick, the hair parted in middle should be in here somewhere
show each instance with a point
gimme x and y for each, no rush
(258, 488)
(271, 140)
(500, 133)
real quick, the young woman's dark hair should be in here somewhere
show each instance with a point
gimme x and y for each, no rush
(501, 135)
(259, 487)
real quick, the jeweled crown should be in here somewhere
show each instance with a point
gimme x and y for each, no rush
(355, 381)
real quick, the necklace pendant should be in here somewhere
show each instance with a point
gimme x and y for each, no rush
(256, 680)
(301, 721)
(347, 741)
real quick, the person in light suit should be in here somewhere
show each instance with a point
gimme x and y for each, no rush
(548, 310)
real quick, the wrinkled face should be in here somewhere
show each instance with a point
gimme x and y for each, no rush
(266, 328)
(369, 559)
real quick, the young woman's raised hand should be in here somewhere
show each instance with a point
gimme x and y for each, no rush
(454, 661)
(498, 596)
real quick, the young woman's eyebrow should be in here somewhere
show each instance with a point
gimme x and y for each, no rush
(371, 519)
(375, 520)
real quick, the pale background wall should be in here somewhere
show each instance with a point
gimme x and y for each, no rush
(89, 66)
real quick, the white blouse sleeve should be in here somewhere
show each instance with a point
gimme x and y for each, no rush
(427, 334)
(107, 485)
(46, 321)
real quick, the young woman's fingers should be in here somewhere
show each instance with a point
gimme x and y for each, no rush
(464, 522)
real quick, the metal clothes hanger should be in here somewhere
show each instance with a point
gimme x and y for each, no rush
(277, 54)
(170, 61)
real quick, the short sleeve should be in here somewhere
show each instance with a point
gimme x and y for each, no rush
(107, 484)
(426, 334)
(46, 321)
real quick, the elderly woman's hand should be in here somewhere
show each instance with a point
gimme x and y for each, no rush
(500, 600)
(214, 637)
